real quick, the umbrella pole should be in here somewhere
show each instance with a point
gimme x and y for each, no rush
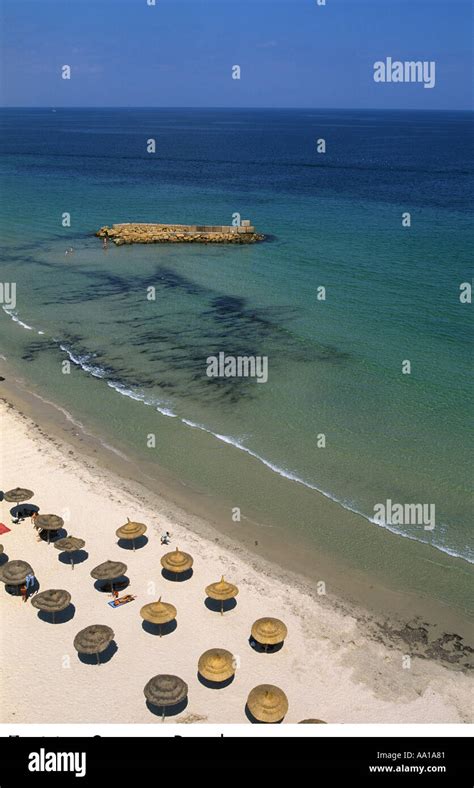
(163, 715)
(72, 562)
(222, 607)
(98, 658)
(48, 534)
(133, 544)
(54, 617)
(159, 627)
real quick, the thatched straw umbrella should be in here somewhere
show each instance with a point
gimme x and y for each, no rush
(158, 613)
(93, 639)
(221, 591)
(131, 531)
(70, 544)
(49, 522)
(14, 573)
(165, 691)
(177, 562)
(52, 601)
(319, 722)
(18, 495)
(109, 570)
(216, 665)
(269, 631)
(267, 703)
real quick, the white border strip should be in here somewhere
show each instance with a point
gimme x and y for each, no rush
(246, 730)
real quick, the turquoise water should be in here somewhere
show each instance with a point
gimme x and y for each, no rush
(332, 220)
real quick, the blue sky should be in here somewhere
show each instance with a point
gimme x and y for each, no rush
(292, 53)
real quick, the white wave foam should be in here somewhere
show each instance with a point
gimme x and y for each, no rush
(83, 362)
(139, 397)
(167, 412)
(98, 372)
(294, 478)
(13, 314)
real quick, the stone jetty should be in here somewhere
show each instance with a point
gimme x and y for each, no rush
(141, 233)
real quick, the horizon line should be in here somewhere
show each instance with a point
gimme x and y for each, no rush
(263, 109)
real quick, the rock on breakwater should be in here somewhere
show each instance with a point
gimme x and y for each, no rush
(142, 233)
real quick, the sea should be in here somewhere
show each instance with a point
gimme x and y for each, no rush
(358, 298)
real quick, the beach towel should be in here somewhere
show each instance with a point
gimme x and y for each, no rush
(121, 600)
(4, 529)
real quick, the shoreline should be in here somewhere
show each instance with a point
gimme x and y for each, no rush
(353, 585)
(351, 589)
(333, 661)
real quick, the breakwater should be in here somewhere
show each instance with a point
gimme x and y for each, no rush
(142, 233)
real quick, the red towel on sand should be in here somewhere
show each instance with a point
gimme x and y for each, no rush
(4, 529)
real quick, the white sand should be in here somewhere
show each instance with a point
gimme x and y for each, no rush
(328, 667)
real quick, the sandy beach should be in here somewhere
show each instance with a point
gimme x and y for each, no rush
(332, 666)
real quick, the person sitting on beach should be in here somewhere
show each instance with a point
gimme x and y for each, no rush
(30, 581)
(19, 515)
(24, 592)
(36, 527)
(166, 538)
